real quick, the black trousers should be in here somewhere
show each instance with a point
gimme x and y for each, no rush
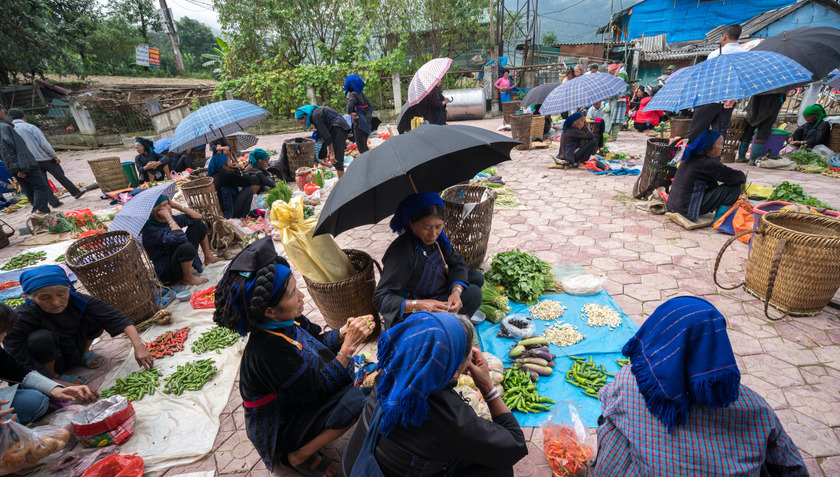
(598, 128)
(339, 143)
(242, 203)
(764, 128)
(43, 346)
(361, 139)
(471, 297)
(641, 127)
(182, 163)
(720, 195)
(714, 115)
(56, 170)
(184, 253)
(584, 152)
(36, 189)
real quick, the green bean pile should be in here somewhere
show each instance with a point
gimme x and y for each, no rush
(215, 339)
(587, 375)
(190, 377)
(24, 260)
(521, 393)
(135, 385)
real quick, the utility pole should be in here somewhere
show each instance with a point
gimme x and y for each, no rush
(173, 38)
(494, 101)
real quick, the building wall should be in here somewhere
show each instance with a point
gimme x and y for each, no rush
(595, 50)
(814, 15)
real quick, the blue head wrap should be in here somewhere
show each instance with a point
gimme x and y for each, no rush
(410, 206)
(305, 112)
(50, 275)
(418, 357)
(353, 84)
(571, 120)
(702, 144)
(681, 357)
(256, 156)
(280, 273)
(216, 163)
(161, 199)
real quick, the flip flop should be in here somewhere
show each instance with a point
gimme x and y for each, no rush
(304, 467)
(71, 379)
(90, 357)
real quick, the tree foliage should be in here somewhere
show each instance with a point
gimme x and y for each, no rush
(549, 38)
(140, 14)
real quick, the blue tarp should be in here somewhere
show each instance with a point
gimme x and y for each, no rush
(601, 343)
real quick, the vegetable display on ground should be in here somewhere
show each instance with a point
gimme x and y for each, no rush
(24, 260)
(168, 343)
(791, 192)
(531, 355)
(521, 393)
(190, 377)
(566, 455)
(214, 340)
(280, 192)
(135, 385)
(597, 315)
(587, 375)
(524, 277)
(494, 304)
(547, 310)
(563, 334)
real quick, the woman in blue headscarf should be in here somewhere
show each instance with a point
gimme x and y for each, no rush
(235, 190)
(56, 327)
(420, 270)
(296, 381)
(332, 129)
(703, 183)
(681, 397)
(257, 169)
(577, 142)
(359, 109)
(418, 425)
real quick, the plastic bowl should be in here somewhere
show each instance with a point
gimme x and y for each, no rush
(478, 318)
(184, 295)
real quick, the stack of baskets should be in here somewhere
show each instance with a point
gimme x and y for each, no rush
(469, 234)
(656, 171)
(109, 173)
(301, 154)
(508, 109)
(520, 129)
(732, 142)
(679, 127)
(201, 196)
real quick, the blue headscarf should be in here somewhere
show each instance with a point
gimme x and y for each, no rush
(418, 357)
(353, 84)
(702, 144)
(216, 163)
(256, 156)
(571, 120)
(410, 206)
(682, 358)
(305, 112)
(241, 303)
(161, 199)
(50, 275)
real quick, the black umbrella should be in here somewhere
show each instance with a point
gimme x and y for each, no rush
(429, 159)
(815, 48)
(407, 113)
(537, 95)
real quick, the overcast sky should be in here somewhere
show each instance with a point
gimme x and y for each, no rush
(183, 8)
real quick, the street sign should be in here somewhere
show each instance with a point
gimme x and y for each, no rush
(154, 57)
(141, 54)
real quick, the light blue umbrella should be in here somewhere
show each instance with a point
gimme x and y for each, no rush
(214, 121)
(582, 91)
(162, 145)
(733, 76)
(136, 211)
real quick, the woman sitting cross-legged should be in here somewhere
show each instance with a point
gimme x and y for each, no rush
(577, 143)
(235, 190)
(419, 426)
(172, 242)
(257, 169)
(296, 381)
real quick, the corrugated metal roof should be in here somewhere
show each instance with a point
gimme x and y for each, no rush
(654, 43)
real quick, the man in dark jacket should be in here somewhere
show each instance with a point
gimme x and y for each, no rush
(21, 163)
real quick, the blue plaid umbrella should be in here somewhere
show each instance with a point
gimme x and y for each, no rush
(215, 121)
(582, 91)
(734, 76)
(136, 211)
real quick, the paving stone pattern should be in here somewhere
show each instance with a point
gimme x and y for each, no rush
(573, 216)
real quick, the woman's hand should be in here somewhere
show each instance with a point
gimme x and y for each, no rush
(356, 332)
(454, 303)
(429, 305)
(74, 393)
(5, 413)
(143, 357)
(480, 371)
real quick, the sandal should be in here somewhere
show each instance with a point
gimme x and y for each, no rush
(304, 468)
(90, 357)
(72, 379)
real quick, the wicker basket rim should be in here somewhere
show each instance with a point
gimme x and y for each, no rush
(103, 159)
(491, 196)
(366, 263)
(770, 221)
(70, 255)
(196, 183)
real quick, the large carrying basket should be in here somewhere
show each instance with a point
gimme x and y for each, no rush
(520, 129)
(834, 138)
(794, 264)
(109, 173)
(656, 171)
(201, 196)
(349, 297)
(679, 127)
(537, 127)
(732, 141)
(508, 109)
(469, 234)
(114, 267)
(302, 154)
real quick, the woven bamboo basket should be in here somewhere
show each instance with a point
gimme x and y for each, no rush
(469, 235)
(508, 109)
(114, 267)
(198, 158)
(834, 139)
(349, 297)
(234, 146)
(520, 129)
(201, 196)
(733, 138)
(794, 264)
(679, 127)
(537, 126)
(301, 154)
(109, 173)
(656, 171)
(5, 236)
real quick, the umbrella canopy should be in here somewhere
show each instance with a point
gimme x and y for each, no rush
(214, 121)
(162, 145)
(426, 78)
(582, 91)
(815, 48)
(835, 83)
(245, 140)
(429, 159)
(136, 211)
(407, 113)
(735, 76)
(537, 95)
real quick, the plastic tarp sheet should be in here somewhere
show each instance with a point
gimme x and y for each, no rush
(600, 343)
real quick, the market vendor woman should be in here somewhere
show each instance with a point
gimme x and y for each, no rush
(235, 190)
(815, 131)
(296, 381)
(332, 129)
(56, 327)
(172, 242)
(151, 166)
(420, 270)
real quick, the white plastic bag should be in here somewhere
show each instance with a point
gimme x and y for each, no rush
(516, 326)
(823, 151)
(564, 434)
(583, 285)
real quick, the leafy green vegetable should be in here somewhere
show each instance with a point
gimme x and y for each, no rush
(791, 192)
(280, 192)
(621, 156)
(523, 276)
(491, 170)
(803, 156)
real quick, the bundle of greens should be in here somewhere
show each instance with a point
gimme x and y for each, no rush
(494, 304)
(524, 277)
(803, 156)
(280, 192)
(791, 192)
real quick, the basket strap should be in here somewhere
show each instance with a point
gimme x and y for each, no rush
(723, 249)
(4, 224)
(378, 266)
(771, 280)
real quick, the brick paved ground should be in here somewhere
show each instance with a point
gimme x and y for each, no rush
(576, 217)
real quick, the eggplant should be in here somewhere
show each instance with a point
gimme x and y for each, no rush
(541, 370)
(537, 361)
(540, 340)
(516, 352)
(544, 355)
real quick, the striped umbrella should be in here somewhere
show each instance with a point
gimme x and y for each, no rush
(215, 121)
(426, 78)
(136, 211)
(734, 76)
(245, 140)
(582, 91)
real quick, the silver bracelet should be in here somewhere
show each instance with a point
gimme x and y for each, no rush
(494, 394)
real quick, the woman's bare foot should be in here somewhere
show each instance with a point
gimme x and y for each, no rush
(194, 280)
(313, 462)
(212, 259)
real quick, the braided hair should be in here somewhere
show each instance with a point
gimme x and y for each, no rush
(233, 308)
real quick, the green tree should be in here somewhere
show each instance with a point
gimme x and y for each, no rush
(549, 38)
(112, 46)
(141, 14)
(196, 37)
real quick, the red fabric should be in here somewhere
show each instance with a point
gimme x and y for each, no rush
(117, 466)
(260, 402)
(643, 116)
